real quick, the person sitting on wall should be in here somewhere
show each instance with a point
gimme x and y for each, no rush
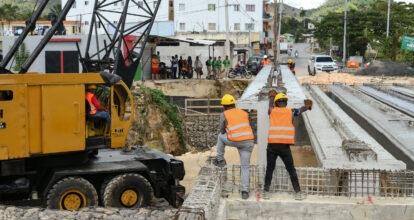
(96, 110)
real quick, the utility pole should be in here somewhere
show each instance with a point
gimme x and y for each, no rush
(279, 29)
(345, 18)
(388, 18)
(227, 30)
(276, 34)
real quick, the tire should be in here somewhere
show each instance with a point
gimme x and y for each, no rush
(309, 71)
(232, 74)
(72, 193)
(314, 72)
(129, 190)
(248, 75)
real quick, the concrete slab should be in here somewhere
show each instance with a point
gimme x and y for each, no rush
(337, 139)
(393, 129)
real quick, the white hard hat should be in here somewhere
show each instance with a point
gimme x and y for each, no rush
(265, 56)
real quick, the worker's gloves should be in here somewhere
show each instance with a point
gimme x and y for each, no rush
(308, 103)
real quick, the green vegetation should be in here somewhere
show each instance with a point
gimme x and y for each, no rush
(295, 27)
(159, 100)
(367, 26)
(338, 6)
(15, 10)
(20, 57)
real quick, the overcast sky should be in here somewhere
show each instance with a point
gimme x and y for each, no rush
(308, 4)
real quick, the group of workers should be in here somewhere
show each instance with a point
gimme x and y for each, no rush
(235, 131)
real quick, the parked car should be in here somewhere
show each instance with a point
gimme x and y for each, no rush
(321, 63)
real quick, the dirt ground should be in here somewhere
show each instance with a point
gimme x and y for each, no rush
(351, 79)
(302, 155)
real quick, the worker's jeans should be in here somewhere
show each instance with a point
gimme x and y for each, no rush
(245, 149)
(105, 115)
(283, 151)
(174, 72)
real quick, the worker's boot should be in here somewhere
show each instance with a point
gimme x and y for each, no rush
(299, 196)
(245, 195)
(219, 163)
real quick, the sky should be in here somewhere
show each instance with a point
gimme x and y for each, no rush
(308, 4)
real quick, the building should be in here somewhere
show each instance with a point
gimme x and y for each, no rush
(13, 27)
(82, 11)
(209, 16)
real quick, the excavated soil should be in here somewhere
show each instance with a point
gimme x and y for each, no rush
(351, 79)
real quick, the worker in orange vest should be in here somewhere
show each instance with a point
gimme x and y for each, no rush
(96, 110)
(291, 66)
(281, 136)
(155, 67)
(265, 61)
(235, 131)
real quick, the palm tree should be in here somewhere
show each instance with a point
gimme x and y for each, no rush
(8, 14)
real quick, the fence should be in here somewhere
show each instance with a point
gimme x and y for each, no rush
(329, 182)
(202, 107)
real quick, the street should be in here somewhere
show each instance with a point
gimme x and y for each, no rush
(302, 60)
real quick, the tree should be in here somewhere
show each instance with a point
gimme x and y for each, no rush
(8, 13)
(21, 57)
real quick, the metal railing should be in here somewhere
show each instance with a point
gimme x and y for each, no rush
(328, 182)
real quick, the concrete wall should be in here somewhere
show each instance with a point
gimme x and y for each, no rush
(317, 209)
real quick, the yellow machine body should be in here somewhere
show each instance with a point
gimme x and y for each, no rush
(45, 114)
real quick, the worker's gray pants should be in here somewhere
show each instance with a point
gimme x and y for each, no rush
(245, 149)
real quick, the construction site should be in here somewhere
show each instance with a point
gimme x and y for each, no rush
(152, 151)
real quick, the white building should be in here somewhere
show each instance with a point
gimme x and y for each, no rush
(82, 11)
(209, 16)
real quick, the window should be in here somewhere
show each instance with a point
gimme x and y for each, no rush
(115, 22)
(116, 4)
(237, 26)
(74, 5)
(86, 2)
(212, 7)
(236, 7)
(155, 4)
(6, 95)
(140, 4)
(249, 26)
(123, 3)
(250, 8)
(182, 26)
(181, 7)
(86, 22)
(211, 26)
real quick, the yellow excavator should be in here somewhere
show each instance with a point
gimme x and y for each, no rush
(54, 152)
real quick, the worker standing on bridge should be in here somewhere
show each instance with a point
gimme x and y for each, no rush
(235, 131)
(291, 66)
(281, 136)
(265, 61)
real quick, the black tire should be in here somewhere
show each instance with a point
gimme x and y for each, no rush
(232, 74)
(81, 190)
(130, 182)
(248, 75)
(309, 71)
(314, 72)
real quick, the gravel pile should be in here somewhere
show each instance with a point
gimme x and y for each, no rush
(387, 68)
(11, 212)
(159, 210)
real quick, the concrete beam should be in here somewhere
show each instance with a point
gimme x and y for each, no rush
(393, 129)
(338, 141)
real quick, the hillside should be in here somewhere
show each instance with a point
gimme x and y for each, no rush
(338, 6)
(26, 6)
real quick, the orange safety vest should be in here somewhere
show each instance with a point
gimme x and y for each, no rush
(291, 66)
(89, 96)
(265, 62)
(155, 62)
(281, 129)
(238, 126)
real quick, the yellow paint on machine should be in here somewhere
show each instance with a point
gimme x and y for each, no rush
(45, 113)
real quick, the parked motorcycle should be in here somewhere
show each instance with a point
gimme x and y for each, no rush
(240, 72)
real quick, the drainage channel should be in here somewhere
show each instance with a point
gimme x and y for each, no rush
(406, 91)
(391, 128)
